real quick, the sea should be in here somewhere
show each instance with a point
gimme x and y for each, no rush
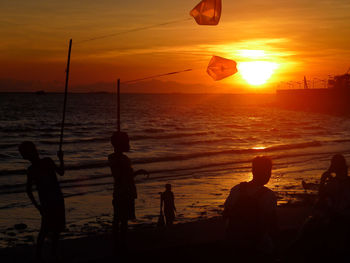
(202, 144)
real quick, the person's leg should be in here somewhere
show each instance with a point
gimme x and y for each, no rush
(40, 242)
(115, 225)
(115, 229)
(168, 221)
(116, 236)
(123, 232)
(169, 218)
(55, 239)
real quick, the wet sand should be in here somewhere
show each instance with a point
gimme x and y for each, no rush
(199, 241)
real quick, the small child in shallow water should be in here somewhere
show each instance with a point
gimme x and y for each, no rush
(168, 200)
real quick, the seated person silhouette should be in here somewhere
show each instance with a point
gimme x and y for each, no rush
(42, 173)
(250, 210)
(334, 192)
(326, 233)
(168, 201)
(124, 193)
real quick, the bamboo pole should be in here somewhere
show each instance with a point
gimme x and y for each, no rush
(65, 95)
(118, 105)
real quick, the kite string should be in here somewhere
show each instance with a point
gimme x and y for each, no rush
(156, 76)
(133, 30)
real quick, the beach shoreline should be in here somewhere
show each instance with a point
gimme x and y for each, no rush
(200, 240)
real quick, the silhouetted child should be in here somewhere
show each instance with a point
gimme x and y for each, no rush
(124, 193)
(42, 173)
(250, 210)
(168, 201)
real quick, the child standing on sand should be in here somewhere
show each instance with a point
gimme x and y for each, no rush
(124, 193)
(167, 199)
(42, 173)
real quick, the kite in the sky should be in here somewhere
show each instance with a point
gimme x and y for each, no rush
(207, 12)
(220, 68)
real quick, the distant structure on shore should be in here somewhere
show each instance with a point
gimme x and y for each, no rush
(335, 99)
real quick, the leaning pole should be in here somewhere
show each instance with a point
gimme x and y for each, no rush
(65, 96)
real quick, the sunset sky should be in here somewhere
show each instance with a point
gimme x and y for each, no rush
(296, 37)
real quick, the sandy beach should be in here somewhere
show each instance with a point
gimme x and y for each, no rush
(199, 241)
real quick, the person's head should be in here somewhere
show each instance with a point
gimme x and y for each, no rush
(168, 187)
(339, 166)
(120, 141)
(261, 169)
(28, 151)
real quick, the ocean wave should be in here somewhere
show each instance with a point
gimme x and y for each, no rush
(168, 135)
(213, 141)
(153, 130)
(5, 156)
(8, 145)
(75, 141)
(12, 172)
(280, 160)
(230, 151)
(180, 157)
(28, 129)
(135, 137)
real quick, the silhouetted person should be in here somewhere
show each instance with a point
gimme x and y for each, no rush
(334, 192)
(250, 210)
(124, 193)
(168, 201)
(326, 233)
(42, 173)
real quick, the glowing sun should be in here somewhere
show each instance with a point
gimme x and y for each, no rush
(256, 72)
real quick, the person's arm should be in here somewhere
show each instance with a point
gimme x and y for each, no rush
(326, 175)
(30, 193)
(141, 171)
(173, 200)
(161, 202)
(272, 220)
(230, 201)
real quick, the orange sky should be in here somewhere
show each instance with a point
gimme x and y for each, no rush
(301, 37)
